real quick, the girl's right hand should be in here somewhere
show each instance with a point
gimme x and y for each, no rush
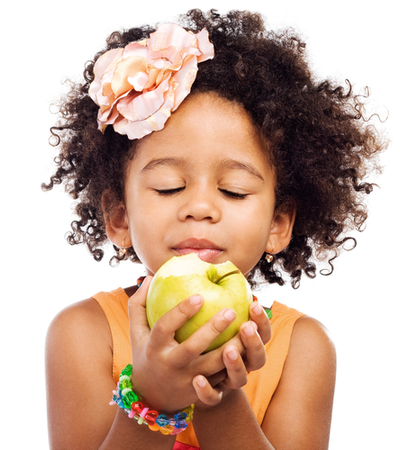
(163, 369)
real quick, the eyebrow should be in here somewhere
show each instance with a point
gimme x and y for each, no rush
(231, 164)
(153, 164)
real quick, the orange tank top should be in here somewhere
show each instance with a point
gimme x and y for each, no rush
(261, 384)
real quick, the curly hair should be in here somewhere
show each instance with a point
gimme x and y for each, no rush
(319, 140)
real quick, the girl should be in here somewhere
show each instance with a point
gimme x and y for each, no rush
(208, 137)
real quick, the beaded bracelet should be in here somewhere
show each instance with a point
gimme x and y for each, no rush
(127, 400)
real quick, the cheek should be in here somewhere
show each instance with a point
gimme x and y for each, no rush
(147, 232)
(254, 241)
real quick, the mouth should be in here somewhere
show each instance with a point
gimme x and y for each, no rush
(204, 249)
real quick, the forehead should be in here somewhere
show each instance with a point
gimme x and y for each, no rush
(206, 124)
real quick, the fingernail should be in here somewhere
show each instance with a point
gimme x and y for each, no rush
(196, 300)
(257, 308)
(249, 330)
(229, 314)
(201, 382)
(232, 354)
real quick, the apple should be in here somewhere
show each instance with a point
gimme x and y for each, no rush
(221, 286)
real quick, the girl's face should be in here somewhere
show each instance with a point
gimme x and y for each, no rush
(201, 185)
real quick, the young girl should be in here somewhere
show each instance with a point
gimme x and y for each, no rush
(209, 137)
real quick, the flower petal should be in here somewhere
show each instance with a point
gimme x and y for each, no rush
(104, 64)
(127, 68)
(184, 79)
(205, 46)
(144, 105)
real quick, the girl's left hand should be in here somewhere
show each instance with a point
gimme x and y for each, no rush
(242, 354)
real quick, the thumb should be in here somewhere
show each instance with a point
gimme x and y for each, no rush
(138, 325)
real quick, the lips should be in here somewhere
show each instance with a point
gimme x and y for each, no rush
(204, 249)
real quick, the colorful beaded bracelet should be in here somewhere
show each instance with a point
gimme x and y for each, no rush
(127, 400)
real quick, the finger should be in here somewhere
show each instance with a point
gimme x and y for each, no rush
(201, 339)
(205, 391)
(218, 377)
(259, 316)
(211, 363)
(255, 355)
(137, 312)
(237, 342)
(165, 327)
(235, 367)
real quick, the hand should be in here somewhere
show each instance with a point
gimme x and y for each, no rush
(242, 354)
(163, 369)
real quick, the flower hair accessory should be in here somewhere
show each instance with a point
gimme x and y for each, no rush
(138, 86)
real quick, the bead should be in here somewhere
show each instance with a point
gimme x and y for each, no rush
(129, 398)
(127, 371)
(124, 377)
(181, 424)
(151, 417)
(142, 415)
(269, 313)
(168, 429)
(125, 391)
(124, 384)
(162, 420)
(137, 407)
(180, 416)
(119, 402)
(189, 413)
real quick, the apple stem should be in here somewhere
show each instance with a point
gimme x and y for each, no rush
(217, 281)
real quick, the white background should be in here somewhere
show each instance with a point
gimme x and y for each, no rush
(43, 42)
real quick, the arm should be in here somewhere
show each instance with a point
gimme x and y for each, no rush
(299, 414)
(79, 386)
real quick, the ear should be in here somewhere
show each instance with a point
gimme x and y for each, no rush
(281, 230)
(116, 221)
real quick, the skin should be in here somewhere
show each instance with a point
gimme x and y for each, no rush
(214, 194)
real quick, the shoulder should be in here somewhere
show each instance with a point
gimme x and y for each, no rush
(79, 326)
(86, 312)
(311, 352)
(311, 357)
(310, 339)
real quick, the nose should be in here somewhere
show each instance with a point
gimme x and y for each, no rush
(200, 203)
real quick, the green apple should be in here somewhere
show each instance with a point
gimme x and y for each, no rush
(221, 286)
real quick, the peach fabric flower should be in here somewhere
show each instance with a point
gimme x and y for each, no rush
(137, 87)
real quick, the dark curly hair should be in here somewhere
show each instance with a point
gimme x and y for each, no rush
(318, 140)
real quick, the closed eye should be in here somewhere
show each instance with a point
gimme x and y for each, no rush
(169, 191)
(235, 195)
(231, 194)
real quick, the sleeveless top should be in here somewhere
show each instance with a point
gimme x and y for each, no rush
(261, 384)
